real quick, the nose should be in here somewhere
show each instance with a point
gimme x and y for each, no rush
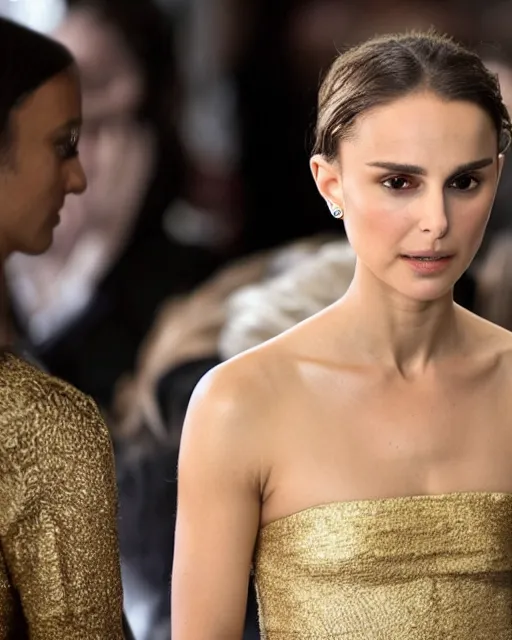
(76, 180)
(433, 217)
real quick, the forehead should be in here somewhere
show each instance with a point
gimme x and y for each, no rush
(422, 129)
(51, 106)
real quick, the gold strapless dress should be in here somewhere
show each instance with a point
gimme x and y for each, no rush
(419, 568)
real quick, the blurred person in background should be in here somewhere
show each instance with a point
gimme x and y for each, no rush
(59, 562)
(499, 60)
(493, 270)
(87, 304)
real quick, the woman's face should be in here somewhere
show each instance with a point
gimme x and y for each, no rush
(416, 182)
(41, 166)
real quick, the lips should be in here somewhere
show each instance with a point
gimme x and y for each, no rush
(430, 255)
(428, 264)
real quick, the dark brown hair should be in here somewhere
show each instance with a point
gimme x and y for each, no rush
(389, 67)
(27, 60)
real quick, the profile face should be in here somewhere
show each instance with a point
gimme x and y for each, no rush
(417, 180)
(42, 166)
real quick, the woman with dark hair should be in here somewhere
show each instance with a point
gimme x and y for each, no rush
(59, 567)
(86, 305)
(360, 462)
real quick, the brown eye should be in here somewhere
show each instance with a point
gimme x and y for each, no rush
(397, 183)
(67, 148)
(464, 183)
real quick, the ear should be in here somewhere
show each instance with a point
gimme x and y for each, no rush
(328, 179)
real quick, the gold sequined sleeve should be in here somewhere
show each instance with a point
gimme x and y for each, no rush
(61, 548)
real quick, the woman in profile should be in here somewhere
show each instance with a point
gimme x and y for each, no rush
(59, 567)
(360, 462)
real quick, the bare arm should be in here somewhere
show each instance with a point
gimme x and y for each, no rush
(61, 549)
(218, 511)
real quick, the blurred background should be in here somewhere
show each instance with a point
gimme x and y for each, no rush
(201, 233)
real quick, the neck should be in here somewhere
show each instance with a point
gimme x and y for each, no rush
(6, 330)
(405, 334)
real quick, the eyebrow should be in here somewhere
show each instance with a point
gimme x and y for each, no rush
(415, 170)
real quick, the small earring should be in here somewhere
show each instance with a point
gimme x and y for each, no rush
(335, 210)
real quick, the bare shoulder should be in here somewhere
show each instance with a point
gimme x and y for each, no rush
(242, 388)
(231, 414)
(253, 373)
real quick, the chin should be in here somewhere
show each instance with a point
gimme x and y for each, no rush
(38, 246)
(428, 291)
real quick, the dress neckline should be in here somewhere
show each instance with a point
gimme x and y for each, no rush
(495, 496)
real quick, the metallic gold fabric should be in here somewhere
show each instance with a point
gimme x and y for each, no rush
(421, 568)
(59, 566)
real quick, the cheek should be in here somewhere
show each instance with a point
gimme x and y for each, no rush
(37, 193)
(49, 180)
(373, 221)
(29, 192)
(469, 218)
